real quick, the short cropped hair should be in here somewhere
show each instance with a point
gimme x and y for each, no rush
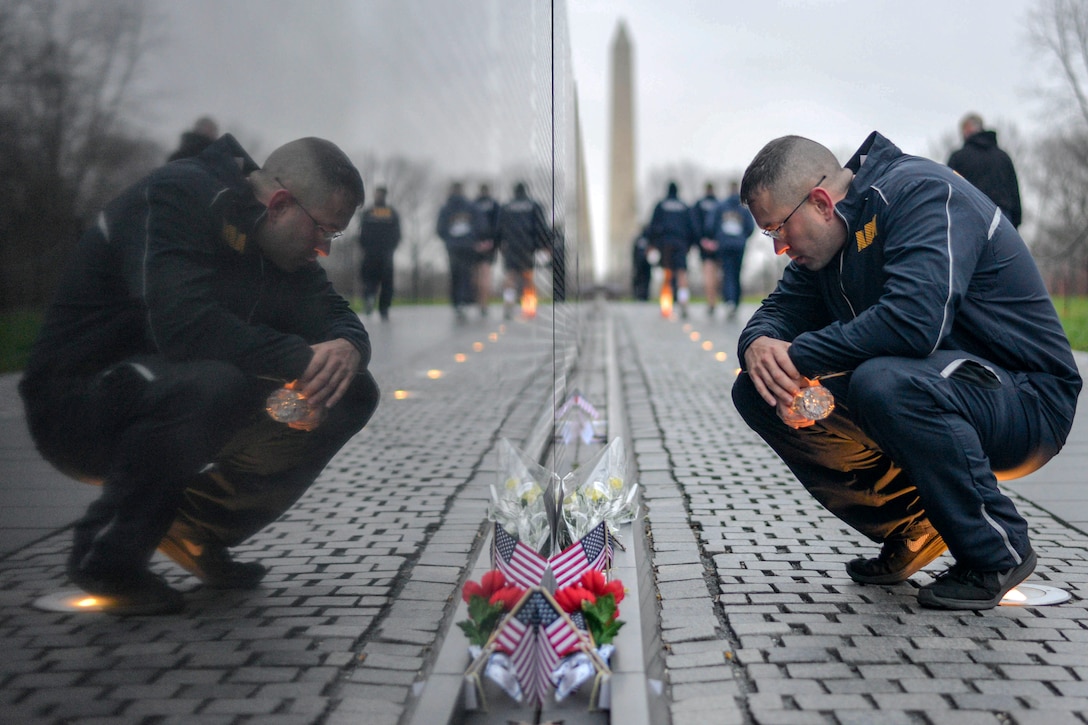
(314, 170)
(786, 167)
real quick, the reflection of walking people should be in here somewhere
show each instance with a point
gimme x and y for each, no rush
(733, 224)
(641, 269)
(523, 231)
(458, 226)
(195, 289)
(990, 169)
(672, 234)
(702, 221)
(486, 247)
(379, 235)
(954, 371)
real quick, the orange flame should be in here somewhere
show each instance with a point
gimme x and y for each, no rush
(528, 301)
(666, 294)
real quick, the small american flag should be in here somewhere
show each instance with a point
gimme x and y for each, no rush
(517, 560)
(592, 551)
(535, 637)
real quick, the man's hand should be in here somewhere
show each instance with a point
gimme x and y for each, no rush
(708, 245)
(776, 379)
(330, 372)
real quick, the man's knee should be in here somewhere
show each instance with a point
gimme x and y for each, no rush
(879, 384)
(357, 406)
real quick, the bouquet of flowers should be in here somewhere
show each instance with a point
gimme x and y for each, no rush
(523, 502)
(593, 604)
(487, 601)
(599, 492)
(528, 640)
(546, 615)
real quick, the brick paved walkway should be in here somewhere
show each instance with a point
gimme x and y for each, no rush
(758, 621)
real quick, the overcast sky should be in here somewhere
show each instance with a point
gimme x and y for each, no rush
(715, 79)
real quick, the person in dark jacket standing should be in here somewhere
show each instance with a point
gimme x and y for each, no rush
(522, 232)
(911, 298)
(989, 168)
(672, 234)
(702, 221)
(487, 248)
(192, 142)
(194, 297)
(732, 227)
(379, 235)
(641, 269)
(459, 225)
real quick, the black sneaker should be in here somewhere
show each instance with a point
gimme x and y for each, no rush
(963, 588)
(900, 557)
(212, 563)
(141, 594)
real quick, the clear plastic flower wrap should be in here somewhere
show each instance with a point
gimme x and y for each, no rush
(522, 501)
(599, 492)
(500, 670)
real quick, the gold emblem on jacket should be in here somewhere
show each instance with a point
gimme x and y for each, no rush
(866, 235)
(235, 239)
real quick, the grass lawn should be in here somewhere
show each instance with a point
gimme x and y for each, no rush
(18, 328)
(1073, 312)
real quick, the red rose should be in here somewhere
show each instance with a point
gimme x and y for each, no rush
(508, 597)
(571, 598)
(490, 583)
(596, 582)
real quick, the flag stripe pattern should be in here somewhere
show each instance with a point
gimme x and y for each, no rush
(536, 637)
(516, 560)
(593, 551)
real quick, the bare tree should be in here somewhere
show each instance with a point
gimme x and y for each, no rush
(1061, 242)
(1059, 30)
(66, 68)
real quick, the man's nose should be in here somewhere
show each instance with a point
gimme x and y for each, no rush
(323, 246)
(780, 247)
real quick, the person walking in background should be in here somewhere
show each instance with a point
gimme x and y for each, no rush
(379, 235)
(195, 296)
(732, 225)
(459, 225)
(204, 131)
(641, 269)
(522, 232)
(989, 168)
(487, 249)
(672, 234)
(915, 301)
(702, 220)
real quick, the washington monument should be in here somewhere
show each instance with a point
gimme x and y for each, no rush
(622, 200)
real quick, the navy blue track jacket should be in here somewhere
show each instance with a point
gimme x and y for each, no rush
(929, 264)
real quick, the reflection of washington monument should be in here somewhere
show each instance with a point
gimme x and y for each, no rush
(622, 200)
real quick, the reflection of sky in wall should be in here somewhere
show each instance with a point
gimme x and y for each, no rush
(464, 87)
(428, 79)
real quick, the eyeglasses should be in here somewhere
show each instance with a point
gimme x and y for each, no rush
(776, 233)
(330, 235)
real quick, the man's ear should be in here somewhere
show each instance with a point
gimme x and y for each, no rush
(279, 202)
(821, 200)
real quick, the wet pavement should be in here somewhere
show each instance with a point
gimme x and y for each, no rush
(747, 616)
